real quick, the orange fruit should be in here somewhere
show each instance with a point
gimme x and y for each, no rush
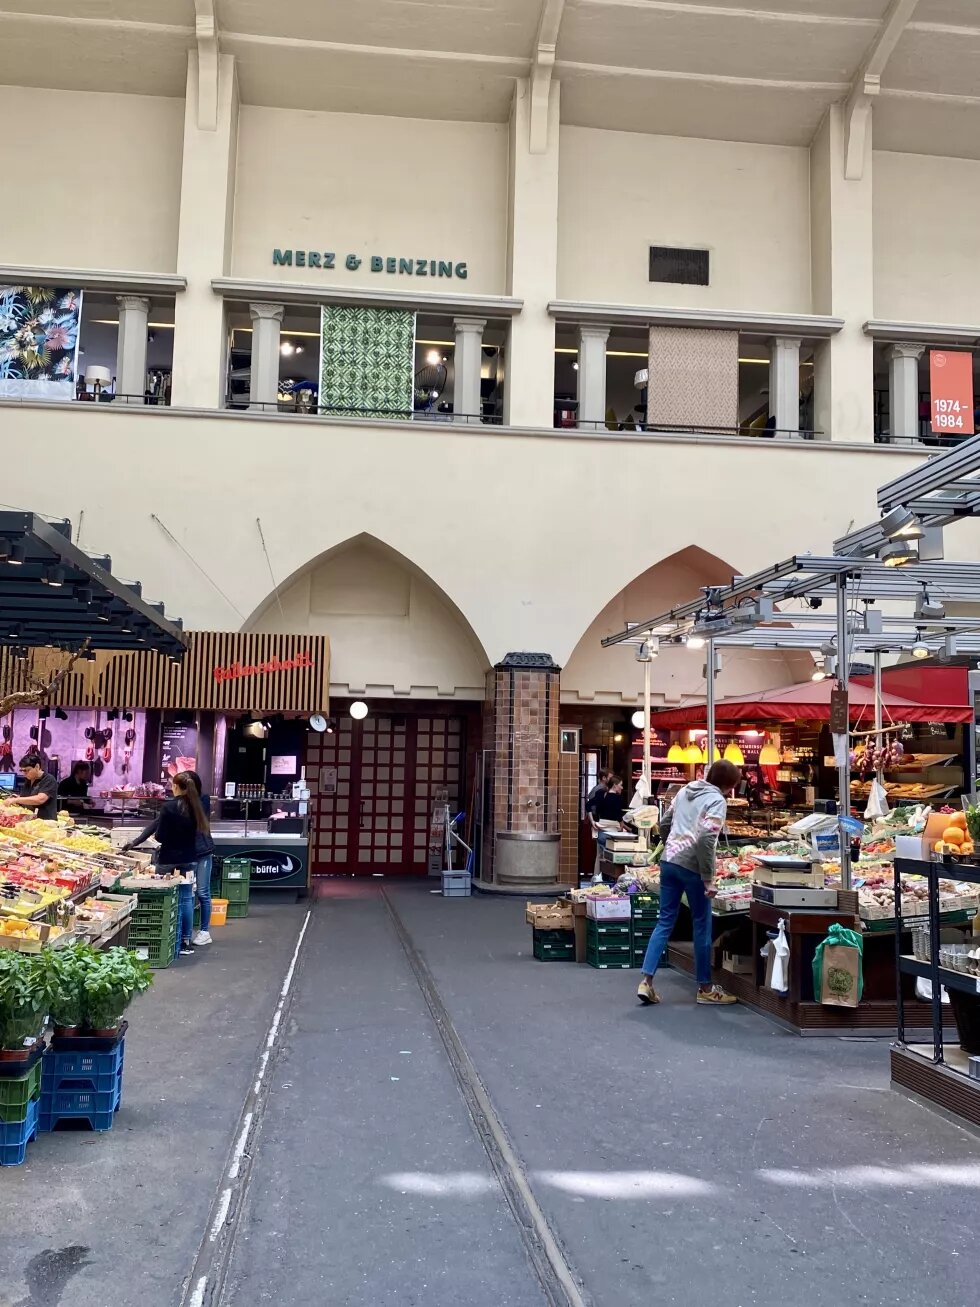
(953, 835)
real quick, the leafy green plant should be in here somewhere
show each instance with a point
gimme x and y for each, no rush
(973, 823)
(109, 985)
(22, 999)
(61, 973)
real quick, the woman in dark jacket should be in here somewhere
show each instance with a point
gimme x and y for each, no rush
(180, 827)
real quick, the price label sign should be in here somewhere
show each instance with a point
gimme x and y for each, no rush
(838, 712)
(951, 391)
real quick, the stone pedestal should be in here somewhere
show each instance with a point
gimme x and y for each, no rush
(521, 735)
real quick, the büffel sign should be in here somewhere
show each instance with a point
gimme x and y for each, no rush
(270, 866)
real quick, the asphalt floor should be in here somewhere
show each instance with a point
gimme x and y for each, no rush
(676, 1153)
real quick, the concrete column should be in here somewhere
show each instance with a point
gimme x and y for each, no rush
(204, 238)
(468, 361)
(591, 375)
(134, 313)
(784, 383)
(532, 266)
(903, 391)
(264, 384)
(842, 276)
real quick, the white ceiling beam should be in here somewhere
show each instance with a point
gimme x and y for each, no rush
(542, 67)
(206, 30)
(867, 84)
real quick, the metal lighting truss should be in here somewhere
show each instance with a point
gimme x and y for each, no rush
(940, 491)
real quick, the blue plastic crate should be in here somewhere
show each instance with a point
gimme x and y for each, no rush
(15, 1138)
(98, 1107)
(86, 1070)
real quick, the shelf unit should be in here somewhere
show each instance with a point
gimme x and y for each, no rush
(912, 1069)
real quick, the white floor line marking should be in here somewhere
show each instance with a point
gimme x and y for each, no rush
(221, 1215)
(271, 1037)
(292, 966)
(236, 1158)
(197, 1297)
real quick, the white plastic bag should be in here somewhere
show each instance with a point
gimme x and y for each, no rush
(780, 964)
(877, 801)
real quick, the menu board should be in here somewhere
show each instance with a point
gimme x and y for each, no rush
(178, 748)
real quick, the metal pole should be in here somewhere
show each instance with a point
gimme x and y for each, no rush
(709, 744)
(843, 765)
(878, 721)
(646, 728)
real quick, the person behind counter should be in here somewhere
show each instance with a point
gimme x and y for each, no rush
(177, 827)
(74, 788)
(42, 788)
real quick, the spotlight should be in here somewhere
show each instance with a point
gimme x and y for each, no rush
(127, 716)
(928, 609)
(901, 524)
(83, 595)
(43, 714)
(12, 552)
(919, 650)
(13, 631)
(61, 715)
(648, 650)
(53, 576)
(695, 641)
(896, 553)
(112, 715)
(103, 613)
(818, 674)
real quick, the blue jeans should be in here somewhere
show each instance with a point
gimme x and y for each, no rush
(185, 900)
(675, 881)
(202, 873)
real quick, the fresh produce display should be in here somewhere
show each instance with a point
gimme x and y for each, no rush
(78, 986)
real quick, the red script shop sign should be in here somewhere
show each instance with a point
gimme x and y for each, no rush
(235, 671)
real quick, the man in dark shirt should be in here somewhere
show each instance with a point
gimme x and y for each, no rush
(42, 789)
(74, 788)
(596, 793)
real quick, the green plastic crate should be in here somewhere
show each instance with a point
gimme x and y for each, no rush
(158, 954)
(607, 964)
(235, 891)
(554, 952)
(17, 1093)
(236, 911)
(610, 929)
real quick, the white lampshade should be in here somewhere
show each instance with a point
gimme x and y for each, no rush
(96, 374)
(638, 719)
(358, 710)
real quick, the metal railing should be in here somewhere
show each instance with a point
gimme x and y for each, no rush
(288, 408)
(677, 428)
(135, 401)
(924, 440)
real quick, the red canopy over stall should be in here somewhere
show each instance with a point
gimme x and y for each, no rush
(809, 702)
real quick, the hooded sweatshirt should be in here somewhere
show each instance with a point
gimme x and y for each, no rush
(697, 816)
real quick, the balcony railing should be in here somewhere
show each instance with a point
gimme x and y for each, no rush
(288, 408)
(677, 428)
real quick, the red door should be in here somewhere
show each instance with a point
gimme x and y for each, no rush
(373, 787)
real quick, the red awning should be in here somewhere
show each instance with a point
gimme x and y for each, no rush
(808, 702)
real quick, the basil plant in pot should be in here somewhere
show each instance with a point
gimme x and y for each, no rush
(61, 973)
(109, 985)
(23, 1004)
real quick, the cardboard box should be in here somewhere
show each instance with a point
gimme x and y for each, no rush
(610, 909)
(739, 964)
(549, 916)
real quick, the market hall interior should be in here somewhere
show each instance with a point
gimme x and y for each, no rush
(426, 345)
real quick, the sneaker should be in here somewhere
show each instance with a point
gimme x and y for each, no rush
(646, 992)
(186, 951)
(716, 996)
(202, 937)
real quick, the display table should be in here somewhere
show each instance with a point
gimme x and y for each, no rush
(278, 862)
(798, 1010)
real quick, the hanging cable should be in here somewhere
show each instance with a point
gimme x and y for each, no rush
(272, 575)
(210, 579)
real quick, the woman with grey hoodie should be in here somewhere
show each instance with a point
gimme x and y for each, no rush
(688, 867)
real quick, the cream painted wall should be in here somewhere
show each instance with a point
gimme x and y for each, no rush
(610, 676)
(517, 529)
(391, 631)
(927, 238)
(620, 192)
(356, 184)
(91, 180)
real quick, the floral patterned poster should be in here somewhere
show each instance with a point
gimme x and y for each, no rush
(39, 341)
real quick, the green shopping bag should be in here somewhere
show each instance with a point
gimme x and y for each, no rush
(838, 972)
